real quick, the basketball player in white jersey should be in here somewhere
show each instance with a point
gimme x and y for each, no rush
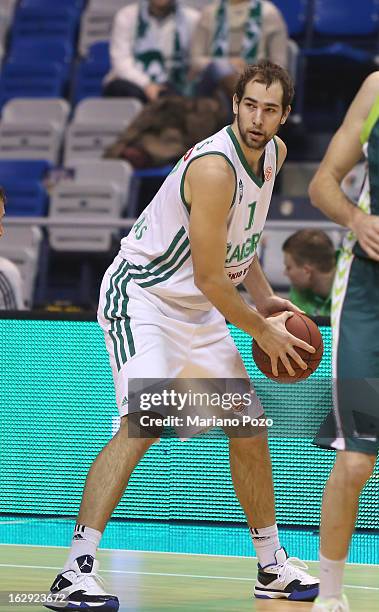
(163, 305)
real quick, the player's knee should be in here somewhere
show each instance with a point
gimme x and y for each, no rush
(353, 469)
(133, 427)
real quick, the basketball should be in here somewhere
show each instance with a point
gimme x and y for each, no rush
(304, 328)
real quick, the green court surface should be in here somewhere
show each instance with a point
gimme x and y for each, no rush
(147, 582)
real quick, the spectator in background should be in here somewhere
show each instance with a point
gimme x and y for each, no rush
(310, 265)
(10, 277)
(150, 44)
(231, 34)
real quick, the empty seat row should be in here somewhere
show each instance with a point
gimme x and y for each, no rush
(98, 192)
(96, 125)
(26, 184)
(33, 129)
(96, 188)
(43, 68)
(36, 129)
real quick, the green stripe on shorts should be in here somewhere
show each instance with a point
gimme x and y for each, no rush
(110, 289)
(119, 337)
(124, 313)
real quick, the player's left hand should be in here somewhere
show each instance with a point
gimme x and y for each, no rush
(273, 304)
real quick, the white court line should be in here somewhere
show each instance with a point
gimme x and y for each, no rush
(13, 522)
(199, 577)
(164, 552)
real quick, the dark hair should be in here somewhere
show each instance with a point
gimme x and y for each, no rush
(3, 197)
(312, 247)
(267, 73)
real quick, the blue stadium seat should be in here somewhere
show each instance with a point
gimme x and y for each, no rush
(48, 5)
(25, 198)
(33, 170)
(59, 22)
(99, 53)
(31, 81)
(58, 51)
(342, 18)
(88, 79)
(296, 14)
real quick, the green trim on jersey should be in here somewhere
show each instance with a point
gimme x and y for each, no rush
(170, 273)
(259, 182)
(276, 152)
(168, 252)
(167, 262)
(142, 273)
(368, 125)
(198, 157)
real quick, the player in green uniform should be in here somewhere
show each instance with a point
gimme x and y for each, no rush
(354, 429)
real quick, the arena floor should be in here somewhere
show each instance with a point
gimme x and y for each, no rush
(147, 581)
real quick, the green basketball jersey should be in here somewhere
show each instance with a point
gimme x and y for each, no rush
(369, 197)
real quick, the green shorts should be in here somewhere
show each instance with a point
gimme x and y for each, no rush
(353, 425)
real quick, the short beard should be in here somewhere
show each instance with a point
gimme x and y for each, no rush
(160, 13)
(245, 142)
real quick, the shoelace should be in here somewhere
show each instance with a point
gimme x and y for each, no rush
(289, 569)
(87, 578)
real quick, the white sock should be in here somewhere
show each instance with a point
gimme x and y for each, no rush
(84, 542)
(331, 577)
(266, 543)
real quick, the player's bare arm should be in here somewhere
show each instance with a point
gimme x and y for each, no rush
(209, 190)
(343, 153)
(260, 290)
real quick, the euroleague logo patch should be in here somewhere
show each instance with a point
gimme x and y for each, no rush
(268, 173)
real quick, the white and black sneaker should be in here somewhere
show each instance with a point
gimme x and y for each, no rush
(285, 580)
(80, 588)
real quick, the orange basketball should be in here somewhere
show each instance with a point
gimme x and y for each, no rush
(302, 327)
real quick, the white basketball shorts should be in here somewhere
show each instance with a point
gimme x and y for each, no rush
(148, 337)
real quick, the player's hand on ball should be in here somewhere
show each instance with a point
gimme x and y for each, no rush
(274, 304)
(279, 343)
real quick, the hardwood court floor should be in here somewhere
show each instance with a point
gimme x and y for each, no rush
(156, 582)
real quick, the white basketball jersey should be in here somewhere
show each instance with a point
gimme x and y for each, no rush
(158, 248)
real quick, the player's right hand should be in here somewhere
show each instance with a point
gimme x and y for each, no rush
(366, 229)
(278, 343)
